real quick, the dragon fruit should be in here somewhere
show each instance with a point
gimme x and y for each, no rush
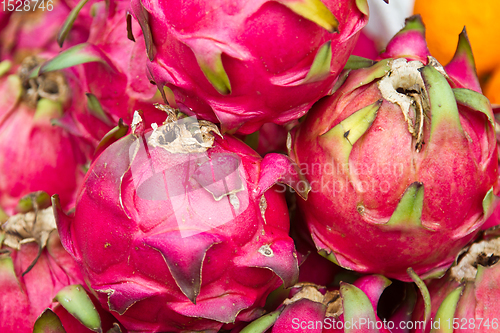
(109, 33)
(366, 46)
(28, 32)
(40, 283)
(114, 71)
(178, 229)
(34, 266)
(34, 154)
(244, 63)
(465, 299)
(315, 268)
(401, 159)
(312, 308)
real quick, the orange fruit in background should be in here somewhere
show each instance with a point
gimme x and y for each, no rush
(445, 19)
(492, 87)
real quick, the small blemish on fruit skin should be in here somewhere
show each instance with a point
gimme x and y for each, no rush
(266, 251)
(107, 245)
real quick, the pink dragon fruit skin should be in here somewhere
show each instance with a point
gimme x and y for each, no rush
(38, 276)
(315, 309)
(171, 262)
(270, 138)
(382, 199)
(131, 88)
(494, 219)
(366, 46)
(113, 72)
(109, 32)
(35, 154)
(29, 279)
(313, 268)
(465, 299)
(4, 18)
(244, 63)
(23, 300)
(31, 32)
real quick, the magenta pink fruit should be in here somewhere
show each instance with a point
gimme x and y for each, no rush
(4, 18)
(313, 268)
(246, 63)
(34, 267)
(366, 46)
(465, 299)
(121, 86)
(494, 219)
(270, 138)
(175, 224)
(35, 155)
(402, 161)
(312, 308)
(30, 32)
(114, 72)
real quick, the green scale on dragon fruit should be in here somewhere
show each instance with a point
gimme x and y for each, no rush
(402, 160)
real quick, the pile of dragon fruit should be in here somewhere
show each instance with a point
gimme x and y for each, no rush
(241, 167)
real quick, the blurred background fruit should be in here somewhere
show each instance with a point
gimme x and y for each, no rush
(492, 86)
(444, 20)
